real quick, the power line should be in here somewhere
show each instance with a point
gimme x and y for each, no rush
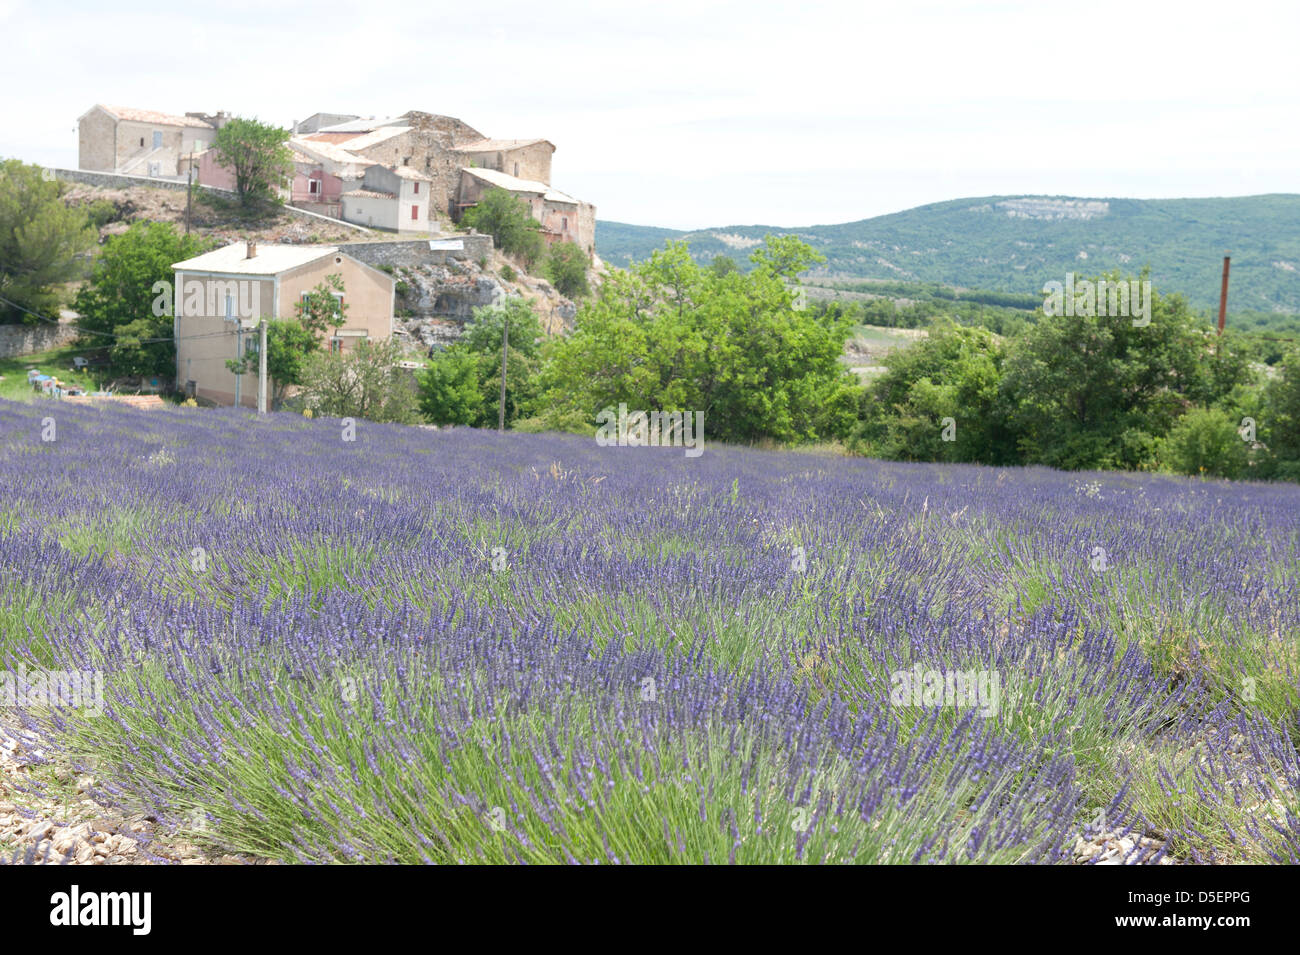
(114, 335)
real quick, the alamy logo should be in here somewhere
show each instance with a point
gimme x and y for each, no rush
(56, 689)
(132, 909)
(977, 689)
(657, 429)
(1104, 298)
(212, 298)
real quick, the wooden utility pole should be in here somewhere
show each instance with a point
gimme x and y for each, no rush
(505, 343)
(261, 371)
(189, 193)
(1223, 295)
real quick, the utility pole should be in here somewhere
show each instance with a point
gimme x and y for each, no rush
(1223, 295)
(261, 371)
(505, 341)
(239, 355)
(189, 192)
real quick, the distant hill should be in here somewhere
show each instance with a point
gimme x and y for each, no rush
(1016, 243)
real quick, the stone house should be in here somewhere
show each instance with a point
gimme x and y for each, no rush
(521, 158)
(563, 218)
(142, 142)
(221, 296)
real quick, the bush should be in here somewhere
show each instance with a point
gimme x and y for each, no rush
(507, 219)
(1206, 441)
(566, 267)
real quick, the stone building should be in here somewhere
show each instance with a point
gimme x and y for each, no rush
(142, 142)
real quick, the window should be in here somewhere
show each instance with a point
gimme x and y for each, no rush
(142, 142)
(230, 308)
(516, 170)
(338, 301)
(564, 223)
(415, 213)
(157, 139)
(313, 187)
(417, 188)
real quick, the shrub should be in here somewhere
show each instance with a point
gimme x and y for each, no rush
(1206, 441)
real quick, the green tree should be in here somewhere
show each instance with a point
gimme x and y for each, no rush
(288, 346)
(462, 384)
(1093, 391)
(1206, 441)
(363, 382)
(507, 219)
(723, 265)
(939, 401)
(566, 267)
(40, 239)
(672, 336)
(258, 156)
(1281, 417)
(129, 295)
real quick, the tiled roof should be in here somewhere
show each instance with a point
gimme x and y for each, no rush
(499, 145)
(153, 117)
(369, 194)
(269, 260)
(375, 138)
(515, 184)
(360, 125)
(406, 172)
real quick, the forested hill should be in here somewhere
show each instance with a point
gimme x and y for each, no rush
(1016, 243)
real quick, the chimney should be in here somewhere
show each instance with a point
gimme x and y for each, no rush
(252, 249)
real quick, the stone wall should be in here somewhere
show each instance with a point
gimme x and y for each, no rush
(116, 180)
(412, 252)
(17, 340)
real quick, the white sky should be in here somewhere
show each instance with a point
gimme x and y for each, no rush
(701, 113)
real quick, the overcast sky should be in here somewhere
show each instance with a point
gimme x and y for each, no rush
(694, 114)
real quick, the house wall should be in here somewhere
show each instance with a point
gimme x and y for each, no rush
(95, 144)
(368, 211)
(213, 173)
(367, 293)
(205, 340)
(130, 155)
(331, 188)
(525, 162)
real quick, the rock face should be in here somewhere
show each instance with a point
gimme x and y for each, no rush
(435, 301)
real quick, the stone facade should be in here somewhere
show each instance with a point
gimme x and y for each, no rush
(141, 142)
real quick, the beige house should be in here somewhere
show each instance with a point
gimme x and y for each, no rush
(141, 142)
(221, 296)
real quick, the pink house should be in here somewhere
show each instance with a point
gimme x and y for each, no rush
(311, 183)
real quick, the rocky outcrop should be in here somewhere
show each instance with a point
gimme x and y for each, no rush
(436, 301)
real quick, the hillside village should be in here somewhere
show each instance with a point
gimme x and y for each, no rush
(379, 201)
(409, 174)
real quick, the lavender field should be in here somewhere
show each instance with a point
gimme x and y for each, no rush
(422, 646)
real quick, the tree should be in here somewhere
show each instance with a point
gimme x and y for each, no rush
(1206, 441)
(364, 382)
(566, 267)
(938, 401)
(120, 307)
(723, 265)
(40, 239)
(672, 336)
(506, 218)
(462, 385)
(1094, 391)
(257, 155)
(1282, 417)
